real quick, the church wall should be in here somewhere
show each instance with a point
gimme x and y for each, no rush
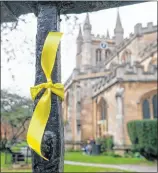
(69, 111)
(151, 60)
(86, 119)
(96, 45)
(132, 108)
(109, 96)
(86, 54)
(114, 60)
(134, 47)
(89, 108)
(146, 63)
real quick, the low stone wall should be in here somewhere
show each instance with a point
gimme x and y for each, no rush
(73, 145)
(121, 150)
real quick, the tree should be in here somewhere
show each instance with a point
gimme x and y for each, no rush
(15, 112)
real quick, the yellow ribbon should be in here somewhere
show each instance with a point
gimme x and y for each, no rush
(43, 107)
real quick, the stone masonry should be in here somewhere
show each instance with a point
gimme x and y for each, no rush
(119, 72)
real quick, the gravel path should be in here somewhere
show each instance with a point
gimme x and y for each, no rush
(135, 168)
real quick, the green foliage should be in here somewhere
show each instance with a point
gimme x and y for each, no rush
(15, 111)
(132, 154)
(14, 107)
(22, 144)
(111, 153)
(143, 135)
(101, 141)
(109, 143)
(73, 150)
(17, 147)
(106, 143)
(3, 143)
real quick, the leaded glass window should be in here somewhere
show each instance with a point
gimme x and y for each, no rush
(146, 109)
(154, 102)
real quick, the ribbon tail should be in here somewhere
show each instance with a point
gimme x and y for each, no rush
(38, 122)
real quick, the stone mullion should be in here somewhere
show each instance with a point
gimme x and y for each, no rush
(151, 108)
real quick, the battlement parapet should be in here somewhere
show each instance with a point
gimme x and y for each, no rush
(139, 29)
(99, 37)
(126, 73)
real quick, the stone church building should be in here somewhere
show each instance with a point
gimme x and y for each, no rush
(114, 82)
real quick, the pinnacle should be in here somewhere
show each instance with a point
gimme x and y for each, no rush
(107, 35)
(79, 34)
(87, 19)
(87, 24)
(118, 22)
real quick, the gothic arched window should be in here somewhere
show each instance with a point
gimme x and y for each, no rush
(154, 102)
(126, 57)
(98, 55)
(103, 110)
(146, 109)
(107, 53)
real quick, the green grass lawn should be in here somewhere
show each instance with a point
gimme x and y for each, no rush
(72, 168)
(3, 165)
(67, 168)
(15, 171)
(79, 157)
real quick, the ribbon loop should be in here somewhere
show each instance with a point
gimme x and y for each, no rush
(42, 110)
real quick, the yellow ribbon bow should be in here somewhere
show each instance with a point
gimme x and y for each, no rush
(43, 107)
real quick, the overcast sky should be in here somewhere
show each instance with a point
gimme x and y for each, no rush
(23, 68)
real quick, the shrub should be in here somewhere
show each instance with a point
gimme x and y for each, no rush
(109, 143)
(131, 154)
(103, 144)
(72, 150)
(112, 154)
(3, 143)
(106, 143)
(69, 149)
(98, 141)
(143, 135)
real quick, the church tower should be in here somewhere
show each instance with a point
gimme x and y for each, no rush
(86, 60)
(118, 31)
(79, 43)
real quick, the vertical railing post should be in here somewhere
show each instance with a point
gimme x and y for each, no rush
(52, 144)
